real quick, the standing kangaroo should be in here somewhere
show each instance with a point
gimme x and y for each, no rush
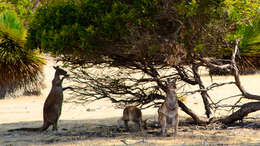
(53, 104)
(134, 114)
(168, 112)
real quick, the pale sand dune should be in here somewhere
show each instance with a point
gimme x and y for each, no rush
(29, 109)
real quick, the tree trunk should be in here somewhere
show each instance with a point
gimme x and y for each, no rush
(188, 111)
(2, 92)
(204, 94)
(241, 113)
(236, 76)
(246, 108)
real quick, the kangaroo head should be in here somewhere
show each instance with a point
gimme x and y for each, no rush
(171, 85)
(60, 71)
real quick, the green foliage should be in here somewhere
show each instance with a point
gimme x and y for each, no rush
(12, 27)
(18, 66)
(244, 15)
(188, 9)
(241, 13)
(199, 48)
(228, 21)
(241, 10)
(251, 38)
(85, 26)
(21, 7)
(103, 27)
(12, 32)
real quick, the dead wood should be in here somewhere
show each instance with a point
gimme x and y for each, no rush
(204, 93)
(188, 111)
(245, 108)
(241, 113)
(237, 78)
(248, 107)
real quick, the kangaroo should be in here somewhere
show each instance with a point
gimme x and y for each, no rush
(168, 112)
(53, 104)
(134, 114)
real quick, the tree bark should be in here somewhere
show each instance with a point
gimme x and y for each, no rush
(241, 113)
(248, 107)
(203, 93)
(236, 76)
(184, 77)
(188, 111)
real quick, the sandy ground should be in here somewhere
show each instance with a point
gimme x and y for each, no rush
(95, 123)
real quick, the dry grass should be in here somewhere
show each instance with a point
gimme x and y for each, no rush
(95, 123)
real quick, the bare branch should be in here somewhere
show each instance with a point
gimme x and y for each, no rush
(188, 111)
(241, 113)
(212, 65)
(204, 93)
(227, 98)
(214, 85)
(237, 78)
(227, 105)
(246, 108)
(184, 76)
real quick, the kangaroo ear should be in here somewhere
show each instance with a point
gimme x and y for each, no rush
(56, 67)
(168, 81)
(173, 83)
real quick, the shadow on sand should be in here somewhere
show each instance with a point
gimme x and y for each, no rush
(76, 130)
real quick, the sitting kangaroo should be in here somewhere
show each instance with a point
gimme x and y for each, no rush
(53, 104)
(134, 114)
(168, 112)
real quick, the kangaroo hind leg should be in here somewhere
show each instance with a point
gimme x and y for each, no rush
(45, 126)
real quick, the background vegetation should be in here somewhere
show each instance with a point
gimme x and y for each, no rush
(20, 67)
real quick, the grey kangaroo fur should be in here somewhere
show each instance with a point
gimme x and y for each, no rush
(168, 112)
(134, 114)
(53, 104)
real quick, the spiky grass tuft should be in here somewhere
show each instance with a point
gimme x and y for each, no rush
(19, 67)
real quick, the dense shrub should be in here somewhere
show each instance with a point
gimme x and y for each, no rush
(77, 27)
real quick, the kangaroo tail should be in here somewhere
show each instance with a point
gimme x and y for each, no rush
(25, 129)
(43, 128)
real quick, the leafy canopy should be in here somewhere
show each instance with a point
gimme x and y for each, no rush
(23, 8)
(251, 38)
(82, 26)
(244, 14)
(139, 28)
